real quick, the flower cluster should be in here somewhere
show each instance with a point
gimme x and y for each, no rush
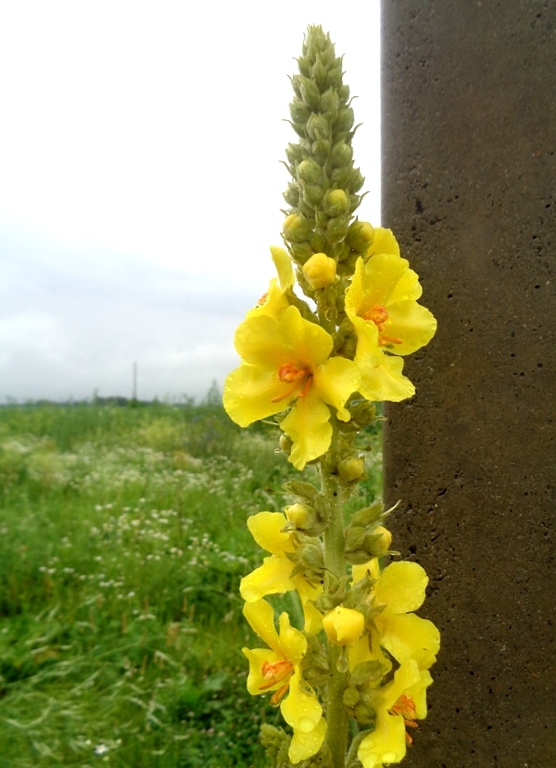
(323, 344)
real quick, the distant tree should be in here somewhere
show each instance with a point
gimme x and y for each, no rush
(214, 396)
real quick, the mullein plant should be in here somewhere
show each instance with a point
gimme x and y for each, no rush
(322, 346)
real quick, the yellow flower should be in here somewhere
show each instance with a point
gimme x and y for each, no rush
(343, 626)
(274, 576)
(320, 270)
(286, 363)
(275, 301)
(397, 705)
(277, 669)
(381, 302)
(398, 590)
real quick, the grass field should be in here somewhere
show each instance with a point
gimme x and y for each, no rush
(122, 544)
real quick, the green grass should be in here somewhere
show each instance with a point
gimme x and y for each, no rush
(122, 544)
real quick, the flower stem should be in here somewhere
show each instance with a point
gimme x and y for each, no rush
(334, 560)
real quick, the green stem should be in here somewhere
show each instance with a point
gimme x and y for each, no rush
(334, 560)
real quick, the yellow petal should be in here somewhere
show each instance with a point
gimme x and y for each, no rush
(261, 341)
(335, 380)
(310, 343)
(343, 626)
(266, 529)
(274, 303)
(302, 710)
(305, 745)
(413, 324)
(386, 744)
(384, 242)
(308, 427)
(407, 675)
(307, 594)
(260, 616)
(401, 587)
(249, 392)
(381, 374)
(292, 642)
(271, 578)
(408, 636)
(418, 692)
(283, 265)
(257, 658)
(360, 652)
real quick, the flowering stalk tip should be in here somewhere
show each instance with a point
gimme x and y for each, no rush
(321, 346)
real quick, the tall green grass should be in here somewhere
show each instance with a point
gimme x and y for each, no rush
(122, 544)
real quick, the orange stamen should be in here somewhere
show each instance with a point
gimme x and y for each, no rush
(301, 379)
(275, 672)
(263, 299)
(378, 314)
(405, 706)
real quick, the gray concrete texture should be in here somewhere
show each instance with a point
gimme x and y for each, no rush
(469, 187)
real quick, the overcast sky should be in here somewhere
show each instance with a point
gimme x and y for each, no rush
(140, 182)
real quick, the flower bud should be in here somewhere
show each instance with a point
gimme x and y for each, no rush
(299, 112)
(343, 626)
(345, 120)
(309, 171)
(296, 228)
(337, 228)
(300, 515)
(285, 444)
(356, 180)
(291, 195)
(360, 236)
(317, 127)
(320, 149)
(381, 545)
(320, 270)
(341, 155)
(352, 470)
(336, 202)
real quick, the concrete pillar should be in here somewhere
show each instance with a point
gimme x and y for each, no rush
(469, 187)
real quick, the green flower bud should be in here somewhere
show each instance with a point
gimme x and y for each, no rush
(296, 229)
(341, 155)
(351, 697)
(344, 120)
(318, 73)
(285, 444)
(335, 202)
(294, 153)
(360, 236)
(310, 92)
(334, 80)
(356, 180)
(299, 112)
(317, 242)
(363, 414)
(302, 516)
(313, 194)
(383, 540)
(318, 127)
(292, 194)
(301, 252)
(321, 150)
(337, 228)
(368, 515)
(329, 103)
(309, 171)
(352, 470)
